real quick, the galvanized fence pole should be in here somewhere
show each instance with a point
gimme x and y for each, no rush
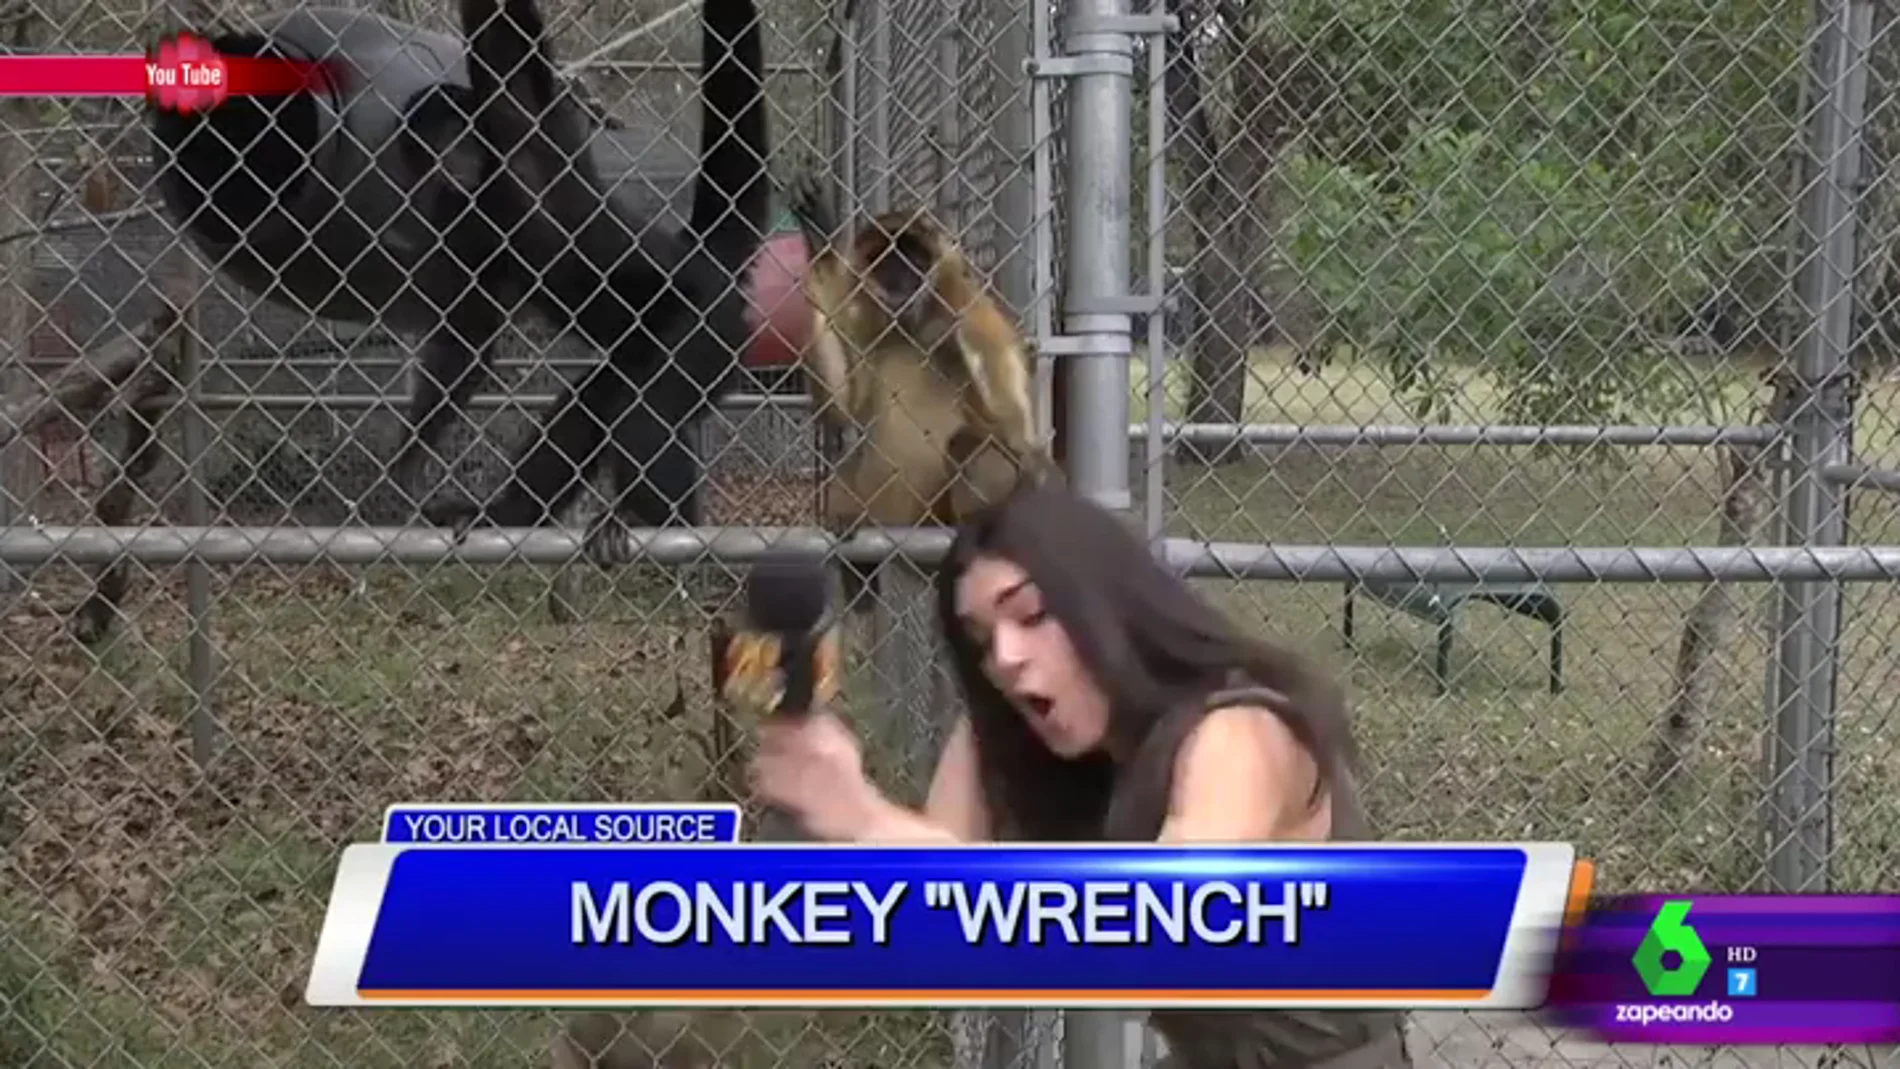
(953, 194)
(1820, 424)
(1099, 61)
(11, 372)
(16, 203)
(200, 657)
(197, 434)
(876, 99)
(1042, 176)
(1097, 37)
(849, 113)
(1154, 454)
(1016, 205)
(1027, 1039)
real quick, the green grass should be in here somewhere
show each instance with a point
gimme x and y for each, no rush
(153, 917)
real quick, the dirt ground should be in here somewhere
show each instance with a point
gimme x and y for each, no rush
(1506, 1040)
(154, 916)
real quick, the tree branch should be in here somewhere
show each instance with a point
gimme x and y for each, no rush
(115, 372)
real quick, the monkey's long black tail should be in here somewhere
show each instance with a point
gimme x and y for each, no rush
(732, 209)
(732, 201)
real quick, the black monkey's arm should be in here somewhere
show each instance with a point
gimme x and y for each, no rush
(670, 312)
(546, 183)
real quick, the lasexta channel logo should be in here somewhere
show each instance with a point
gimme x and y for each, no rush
(1669, 933)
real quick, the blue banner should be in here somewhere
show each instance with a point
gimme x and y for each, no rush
(757, 924)
(530, 824)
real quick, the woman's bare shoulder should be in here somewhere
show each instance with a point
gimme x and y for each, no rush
(1255, 730)
(1240, 774)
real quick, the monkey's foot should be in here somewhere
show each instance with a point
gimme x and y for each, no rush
(459, 514)
(608, 542)
(92, 622)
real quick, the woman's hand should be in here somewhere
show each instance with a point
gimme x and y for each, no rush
(813, 767)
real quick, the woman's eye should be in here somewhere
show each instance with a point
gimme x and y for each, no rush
(1035, 618)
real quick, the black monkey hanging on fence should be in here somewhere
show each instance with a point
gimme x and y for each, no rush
(353, 202)
(670, 350)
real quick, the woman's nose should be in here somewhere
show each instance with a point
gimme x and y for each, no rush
(1006, 648)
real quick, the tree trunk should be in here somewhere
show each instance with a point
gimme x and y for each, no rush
(117, 374)
(1877, 290)
(1229, 229)
(19, 467)
(1709, 628)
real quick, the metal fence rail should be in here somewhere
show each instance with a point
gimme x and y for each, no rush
(677, 547)
(1599, 301)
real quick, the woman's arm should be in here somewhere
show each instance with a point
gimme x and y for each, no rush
(953, 811)
(813, 767)
(1242, 776)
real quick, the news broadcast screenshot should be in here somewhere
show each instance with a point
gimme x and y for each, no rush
(893, 535)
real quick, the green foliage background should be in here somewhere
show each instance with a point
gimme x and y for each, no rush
(1539, 191)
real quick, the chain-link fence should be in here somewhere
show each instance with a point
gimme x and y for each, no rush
(1481, 350)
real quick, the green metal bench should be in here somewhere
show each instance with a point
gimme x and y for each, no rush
(1438, 604)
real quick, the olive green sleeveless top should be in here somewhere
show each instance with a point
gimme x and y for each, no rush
(1252, 1039)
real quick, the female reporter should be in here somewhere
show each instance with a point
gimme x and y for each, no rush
(1108, 703)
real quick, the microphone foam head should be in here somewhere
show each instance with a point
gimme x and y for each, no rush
(786, 593)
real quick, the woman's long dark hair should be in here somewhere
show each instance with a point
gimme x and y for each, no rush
(1154, 647)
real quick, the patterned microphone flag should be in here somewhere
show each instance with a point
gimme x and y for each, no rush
(415, 923)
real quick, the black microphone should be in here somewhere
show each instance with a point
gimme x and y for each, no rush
(782, 658)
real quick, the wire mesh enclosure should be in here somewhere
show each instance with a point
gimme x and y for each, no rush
(1527, 364)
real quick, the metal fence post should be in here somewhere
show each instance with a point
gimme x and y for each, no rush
(1820, 425)
(953, 198)
(1025, 1038)
(1097, 37)
(11, 371)
(1154, 458)
(1016, 206)
(16, 205)
(200, 657)
(875, 99)
(845, 71)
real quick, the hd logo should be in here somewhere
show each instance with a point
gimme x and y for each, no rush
(1666, 933)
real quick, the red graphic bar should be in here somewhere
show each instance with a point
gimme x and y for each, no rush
(128, 76)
